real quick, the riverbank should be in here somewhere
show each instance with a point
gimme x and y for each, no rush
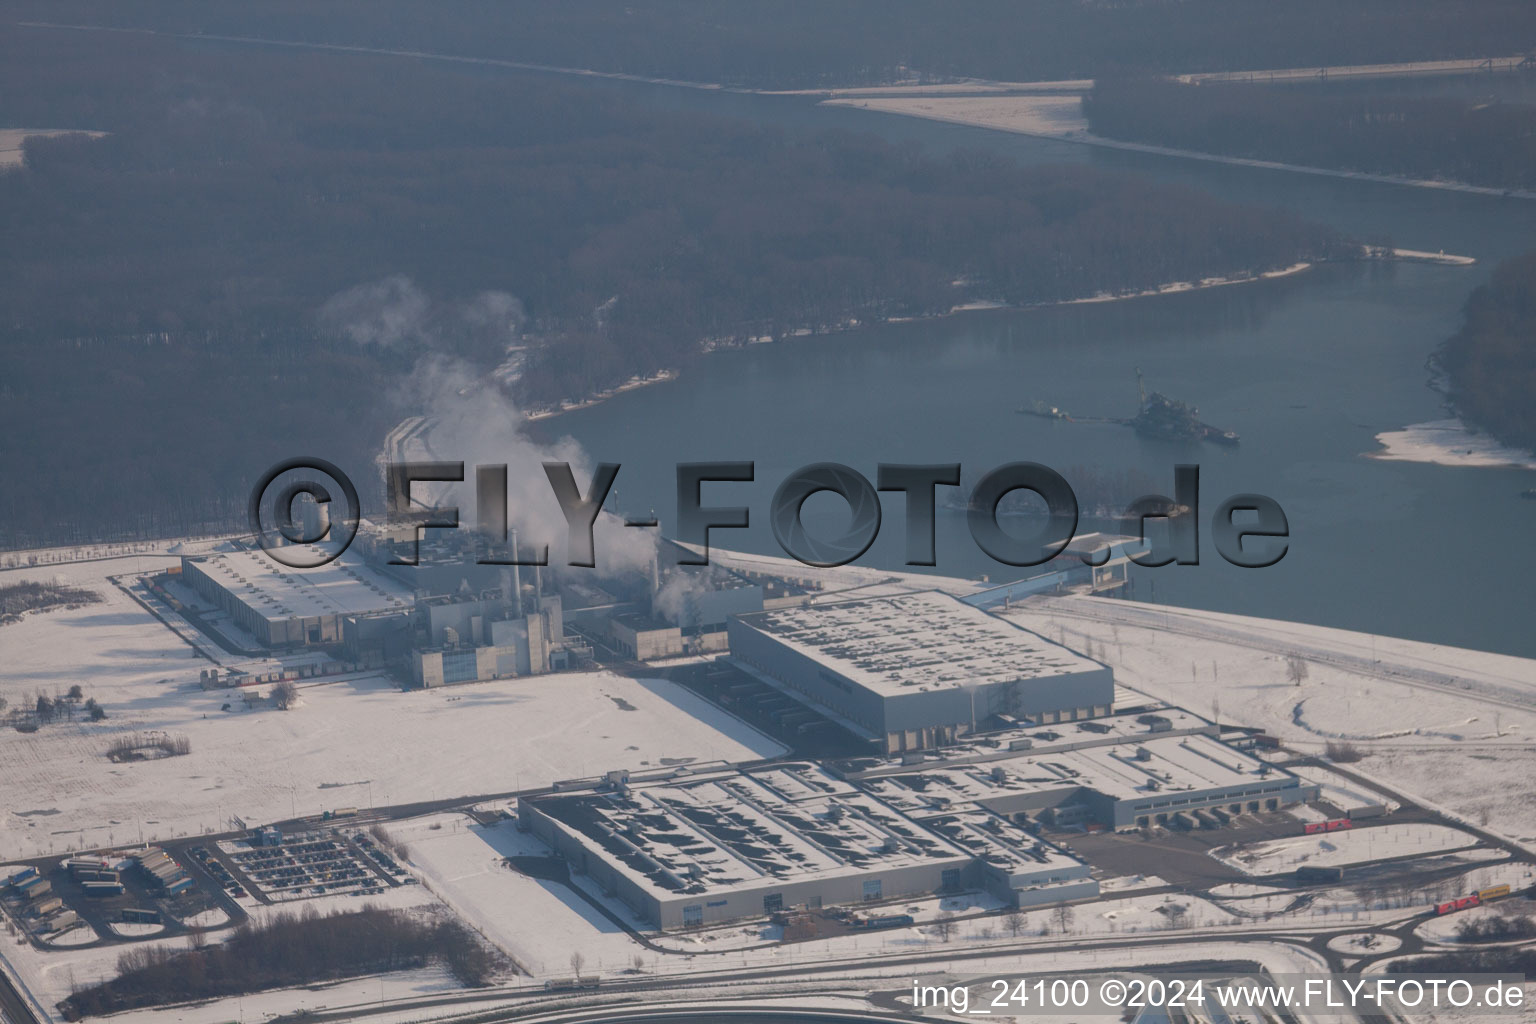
(974, 306)
(12, 141)
(987, 305)
(1449, 442)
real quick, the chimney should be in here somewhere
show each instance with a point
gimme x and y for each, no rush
(517, 581)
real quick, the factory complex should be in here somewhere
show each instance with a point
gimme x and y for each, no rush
(960, 746)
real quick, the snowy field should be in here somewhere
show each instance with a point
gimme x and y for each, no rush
(1350, 846)
(342, 745)
(539, 924)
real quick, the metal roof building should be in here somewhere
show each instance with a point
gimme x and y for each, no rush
(286, 607)
(916, 670)
(729, 845)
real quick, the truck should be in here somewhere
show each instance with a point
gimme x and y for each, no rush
(562, 984)
(1367, 811)
(102, 890)
(885, 921)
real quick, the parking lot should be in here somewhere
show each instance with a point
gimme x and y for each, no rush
(116, 903)
(308, 864)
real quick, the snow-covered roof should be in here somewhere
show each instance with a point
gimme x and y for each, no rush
(1158, 764)
(925, 640)
(275, 591)
(742, 830)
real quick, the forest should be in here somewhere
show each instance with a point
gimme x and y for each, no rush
(1443, 138)
(289, 949)
(789, 44)
(189, 283)
(1488, 368)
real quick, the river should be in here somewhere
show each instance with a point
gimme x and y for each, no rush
(1307, 369)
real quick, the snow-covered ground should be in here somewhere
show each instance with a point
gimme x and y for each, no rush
(1448, 443)
(539, 924)
(358, 741)
(1444, 929)
(1350, 846)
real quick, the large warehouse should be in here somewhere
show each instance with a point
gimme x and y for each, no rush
(285, 607)
(917, 670)
(1135, 773)
(731, 845)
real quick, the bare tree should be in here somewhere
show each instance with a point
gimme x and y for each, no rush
(1342, 752)
(944, 925)
(1296, 669)
(284, 695)
(577, 961)
(1063, 915)
(639, 962)
(1014, 921)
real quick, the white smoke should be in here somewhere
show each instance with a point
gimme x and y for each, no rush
(671, 601)
(388, 313)
(475, 422)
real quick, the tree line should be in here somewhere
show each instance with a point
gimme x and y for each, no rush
(1488, 368)
(288, 949)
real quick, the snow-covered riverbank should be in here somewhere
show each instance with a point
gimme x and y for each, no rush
(1449, 442)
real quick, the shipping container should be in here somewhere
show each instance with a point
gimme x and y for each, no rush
(59, 922)
(1493, 892)
(100, 890)
(32, 888)
(44, 907)
(1319, 874)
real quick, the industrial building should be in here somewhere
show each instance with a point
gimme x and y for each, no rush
(645, 638)
(704, 849)
(917, 670)
(1139, 771)
(284, 607)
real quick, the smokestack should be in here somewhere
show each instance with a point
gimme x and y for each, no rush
(517, 580)
(655, 573)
